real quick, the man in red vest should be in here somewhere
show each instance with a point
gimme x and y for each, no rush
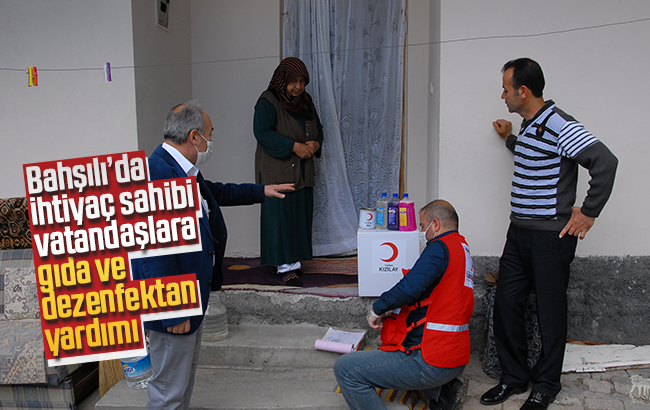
(424, 322)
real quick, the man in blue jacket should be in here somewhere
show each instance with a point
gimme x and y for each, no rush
(174, 344)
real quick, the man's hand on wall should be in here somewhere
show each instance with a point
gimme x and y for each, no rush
(503, 128)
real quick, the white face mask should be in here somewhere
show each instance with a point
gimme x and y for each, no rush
(423, 236)
(202, 157)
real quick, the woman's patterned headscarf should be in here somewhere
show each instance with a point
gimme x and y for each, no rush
(289, 69)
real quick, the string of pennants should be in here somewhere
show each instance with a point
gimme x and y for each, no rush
(32, 72)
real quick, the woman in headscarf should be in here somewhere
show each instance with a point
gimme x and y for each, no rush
(289, 134)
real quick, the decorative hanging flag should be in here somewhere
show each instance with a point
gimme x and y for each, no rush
(32, 76)
(107, 73)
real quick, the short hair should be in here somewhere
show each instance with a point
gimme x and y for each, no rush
(442, 211)
(526, 72)
(181, 120)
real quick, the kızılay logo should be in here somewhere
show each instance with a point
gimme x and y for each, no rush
(394, 249)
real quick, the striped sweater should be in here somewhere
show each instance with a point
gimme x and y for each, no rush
(547, 153)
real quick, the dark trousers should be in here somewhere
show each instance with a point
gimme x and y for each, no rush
(533, 260)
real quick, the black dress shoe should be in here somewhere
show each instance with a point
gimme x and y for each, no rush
(447, 398)
(537, 401)
(500, 393)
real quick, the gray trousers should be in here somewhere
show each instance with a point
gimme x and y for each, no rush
(173, 360)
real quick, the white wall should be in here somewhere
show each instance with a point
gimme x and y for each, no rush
(421, 112)
(163, 74)
(453, 153)
(597, 75)
(71, 113)
(235, 48)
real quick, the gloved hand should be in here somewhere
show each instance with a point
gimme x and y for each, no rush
(374, 320)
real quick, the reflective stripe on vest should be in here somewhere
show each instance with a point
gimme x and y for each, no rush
(447, 328)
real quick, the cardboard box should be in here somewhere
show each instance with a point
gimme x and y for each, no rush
(383, 258)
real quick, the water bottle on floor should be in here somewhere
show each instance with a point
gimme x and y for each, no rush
(137, 371)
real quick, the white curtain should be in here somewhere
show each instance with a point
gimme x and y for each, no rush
(354, 51)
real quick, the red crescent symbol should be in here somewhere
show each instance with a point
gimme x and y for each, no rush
(369, 217)
(394, 248)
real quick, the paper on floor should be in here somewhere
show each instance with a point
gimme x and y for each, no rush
(599, 358)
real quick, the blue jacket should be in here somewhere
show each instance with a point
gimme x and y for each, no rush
(213, 237)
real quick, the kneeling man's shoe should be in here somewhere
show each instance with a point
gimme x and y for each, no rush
(500, 393)
(447, 398)
(537, 401)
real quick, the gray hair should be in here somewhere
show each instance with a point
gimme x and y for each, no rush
(442, 211)
(181, 120)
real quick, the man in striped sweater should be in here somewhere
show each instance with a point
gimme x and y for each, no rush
(544, 229)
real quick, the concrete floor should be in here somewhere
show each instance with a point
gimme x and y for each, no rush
(610, 390)
(89, 402)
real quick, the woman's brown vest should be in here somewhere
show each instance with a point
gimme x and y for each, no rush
(272, 170)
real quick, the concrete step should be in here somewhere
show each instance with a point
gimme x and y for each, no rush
(267, 346)
(244, 389)
(256, 367)
(277, 308)
(268, 359)
(236, 389)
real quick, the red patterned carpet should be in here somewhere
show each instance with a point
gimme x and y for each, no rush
(342, 266)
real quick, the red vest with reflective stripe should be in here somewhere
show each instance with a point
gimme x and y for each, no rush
(445, 340)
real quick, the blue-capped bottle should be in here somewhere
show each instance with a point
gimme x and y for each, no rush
(382, 211)
(393, 213)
